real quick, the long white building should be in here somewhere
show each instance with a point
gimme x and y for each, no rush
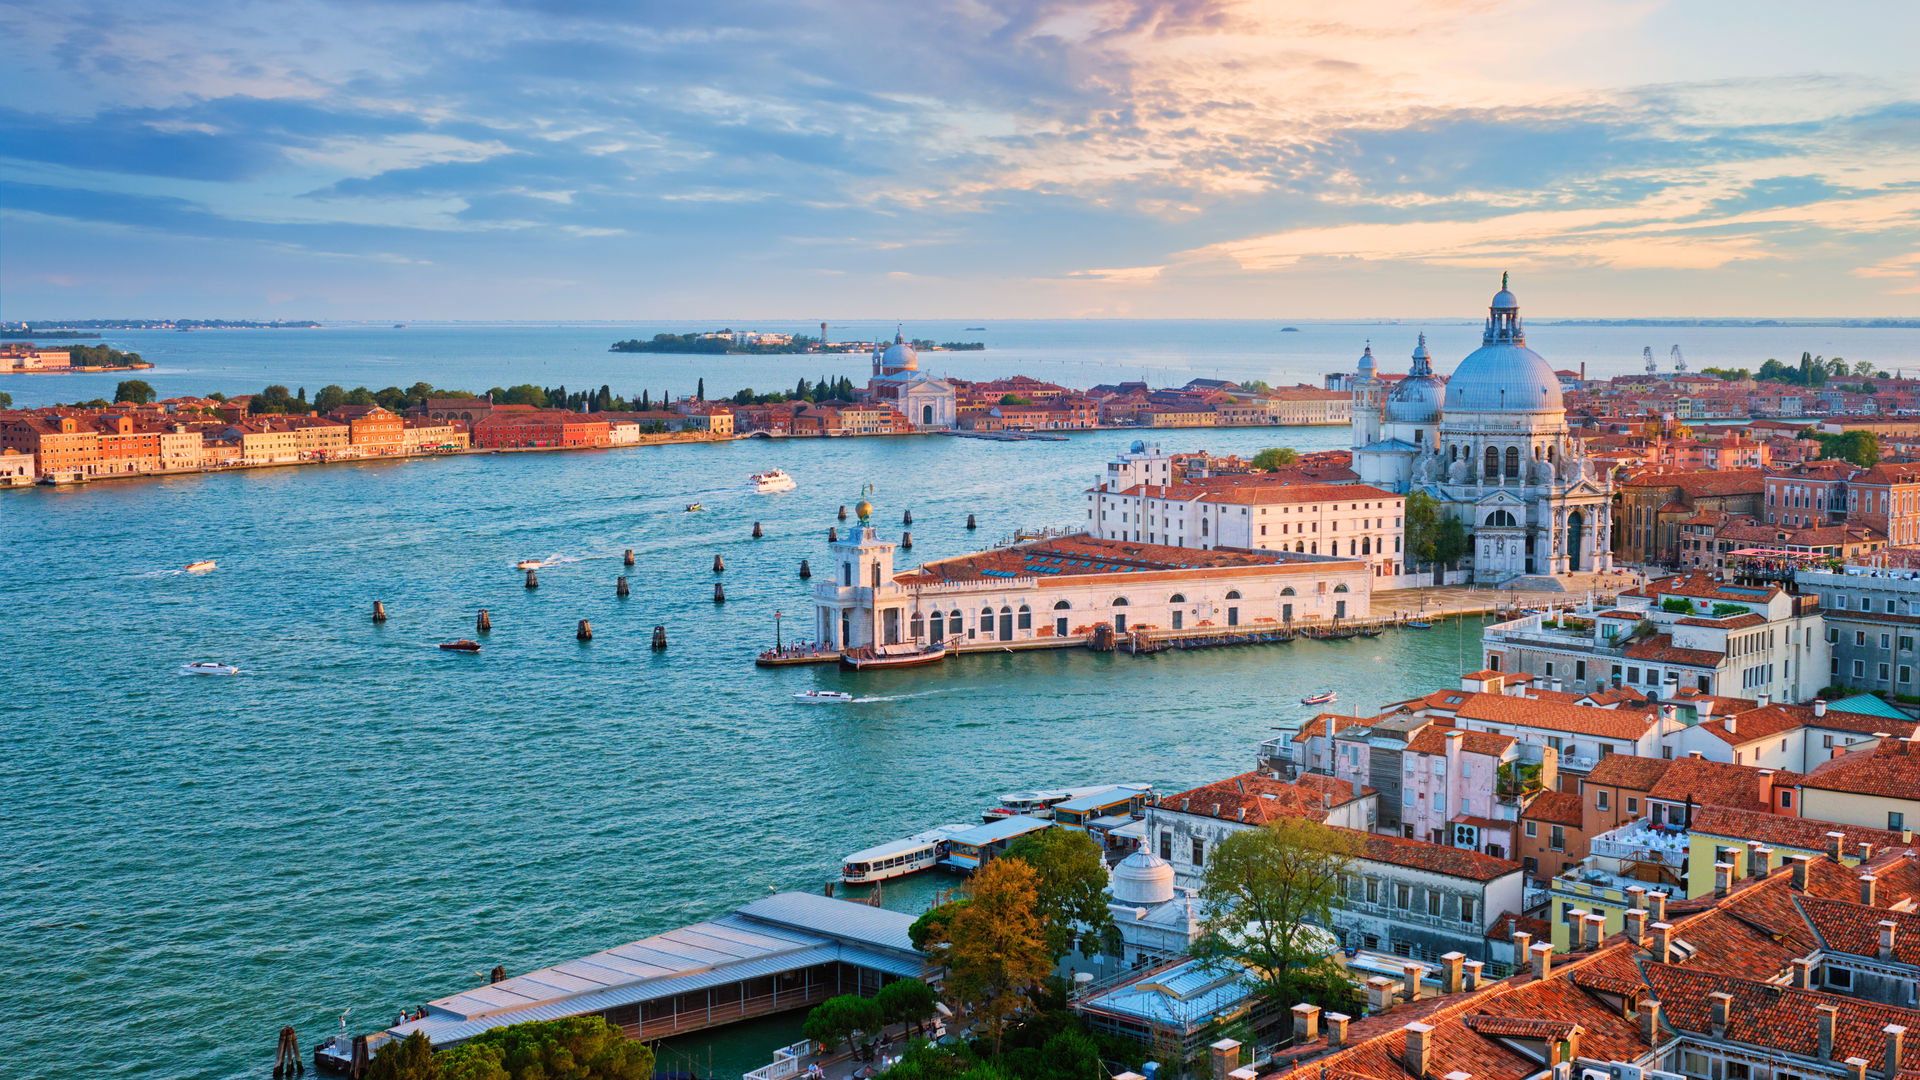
(1058, 589)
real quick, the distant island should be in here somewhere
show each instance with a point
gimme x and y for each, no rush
(1860, 324)
(45, 327)
(1289, 329)
(754, 343)
(45, 335)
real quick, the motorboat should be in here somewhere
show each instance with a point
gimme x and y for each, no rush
(1419, 624)
(823, 697)
(1040, 804)
(1323, 697)
(771, 481)
(691, 507)
(208, 667)
(528, 564)
(200, 567)
(463, 645)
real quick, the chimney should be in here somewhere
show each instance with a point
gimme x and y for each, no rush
(1650, 1020)
(1826, 1014)
(1722, 1003)
(1856, 1068)
(1663, 937)
(1703, 709)
(1596, 927)
(1356, 785)
(1762, 701)
(1473, 968)
(1419, 1047)
(1411, 977)
(1762, 861)
(1766, 788)
(1887, 927)
(1802, 973)
(1636, 897)
(1890, 1063)
(1834, 841)
(1522, 941)
(1337, 1030)
(1452, 962)
(1306, 1023)
(1657, 906)
(1800, 873)
(1819, 706)
(1542, 959)
(1866, 889)
(1380, 993)
(1866, 851)
(1722, 878)
(1226, 1057)
(1636, 926)
(1243, 814)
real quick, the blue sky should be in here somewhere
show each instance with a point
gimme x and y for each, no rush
(593, 159)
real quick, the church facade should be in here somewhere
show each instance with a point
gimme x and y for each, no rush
(1491, 443)
(928, 403)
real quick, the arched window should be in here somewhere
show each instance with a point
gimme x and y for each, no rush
(1501, 519)
(1549, 453)
(914, 627)
(1513, 462)
(1062, 605)
(1177, 598)
(1288, 591)
(954, 626)
(1026, 618)
(1453, 452)
(1120, 601)
(1233, 594)
(1342, 587)
(1493, 463)
(1203, 526)
(1299, 545)
(1366, 545)
(876, 575)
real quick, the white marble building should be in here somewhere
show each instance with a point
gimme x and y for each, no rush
(1492, 444)
(928, 403)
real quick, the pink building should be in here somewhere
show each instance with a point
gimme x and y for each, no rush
(1442, 784)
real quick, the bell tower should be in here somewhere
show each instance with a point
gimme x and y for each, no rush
(862, 607)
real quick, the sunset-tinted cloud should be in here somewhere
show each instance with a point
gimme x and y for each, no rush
(1183, 157)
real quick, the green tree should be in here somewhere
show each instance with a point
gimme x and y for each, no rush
(274, 399)
(932, 926)
(700, 389)
(1434, 538)
(995, 948)
(362, 396)
(1072, 889)
(134, 390)
(1274, 457)
(1263, 887)
(905, 1001)
(574, 1048)
(1862, 448)
(6, 400)
(410, 1058)
(1257, 386)
(1014, 399)
(840, 1019)
(329, 398)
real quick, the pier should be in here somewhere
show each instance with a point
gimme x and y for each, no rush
(783, 952)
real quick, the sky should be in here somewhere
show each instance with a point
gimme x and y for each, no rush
(600, 159)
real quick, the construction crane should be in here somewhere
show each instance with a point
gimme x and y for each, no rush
(1647, 351)
(1679, 362)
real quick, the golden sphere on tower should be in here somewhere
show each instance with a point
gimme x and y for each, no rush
(864, 509)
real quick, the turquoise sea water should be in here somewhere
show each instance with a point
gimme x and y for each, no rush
(363, 821)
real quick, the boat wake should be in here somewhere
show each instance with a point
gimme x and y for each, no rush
(161, 574)
(898, 697)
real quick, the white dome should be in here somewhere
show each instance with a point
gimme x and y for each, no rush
(1367, 365)
(1142, 878)
(1416, 399)
(900, 356)
(1503, 375)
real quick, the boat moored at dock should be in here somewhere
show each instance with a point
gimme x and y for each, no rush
(1043, 802)
(880, 657)
(969, 851)
(921, 851)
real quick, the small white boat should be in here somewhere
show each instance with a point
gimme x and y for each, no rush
(208, 667)
(528, 564)
(823, 697)
(200, 567)
(772, 480)
(1040, 804)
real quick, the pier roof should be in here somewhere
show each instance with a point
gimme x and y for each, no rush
(783, 932)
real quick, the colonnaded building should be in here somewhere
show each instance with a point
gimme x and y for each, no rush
(1054, 590)
(1491, 444)
(928, 403)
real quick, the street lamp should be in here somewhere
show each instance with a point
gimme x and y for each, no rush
(776, 631)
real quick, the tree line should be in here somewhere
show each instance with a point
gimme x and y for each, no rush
(711, 346)
(1810, 372)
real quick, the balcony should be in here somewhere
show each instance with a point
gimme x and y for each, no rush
(1642, 843)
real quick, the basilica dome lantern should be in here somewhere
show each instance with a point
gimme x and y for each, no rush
(1503, 375)
(1416, 399)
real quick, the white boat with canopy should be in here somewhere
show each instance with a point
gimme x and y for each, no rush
(921, 851)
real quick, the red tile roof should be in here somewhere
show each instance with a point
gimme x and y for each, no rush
(1890, 771)
(1627, 771)
(1779, 830)
(1432, 739)
(1717, 783)
(1780, 1018)
(1855, 929)
(1660, 649)
(1436, 858)
(1556, 807)
(1263, 799)
(1553, 716)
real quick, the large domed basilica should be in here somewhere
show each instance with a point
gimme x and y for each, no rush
(1491, 443)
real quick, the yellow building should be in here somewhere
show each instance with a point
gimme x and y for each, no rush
(1722, 835)
(1877, 788)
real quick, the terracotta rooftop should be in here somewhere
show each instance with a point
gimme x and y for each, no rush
(1779, 830)
(1436, 858)
(1854, 929)
(1257, 799)
(1776, 1017)
(1891, 771)
(1716, 783)
(1433, 740)
(1628, 771)
(1660, 649)
(1086, 556)
(1705, 586)
(1555, 807)
(1554, 716)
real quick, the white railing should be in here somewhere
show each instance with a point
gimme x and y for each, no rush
(1638, 851)
(786, 1062)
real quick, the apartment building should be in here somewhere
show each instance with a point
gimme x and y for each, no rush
(1654, 505)
(1811, 493)
(1185, 827)
(1354, 521)
(1436, 783)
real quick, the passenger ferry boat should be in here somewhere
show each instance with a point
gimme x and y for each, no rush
(1040, 804)
(921, 851)
(771, 481)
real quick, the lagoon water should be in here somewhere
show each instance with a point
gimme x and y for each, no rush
(362, 821)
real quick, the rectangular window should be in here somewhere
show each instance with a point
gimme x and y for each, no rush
(1859, 668)
(1549, 669)
(1558, 841)
(1199, 852)
(1402, 897)
(1896, 821)
(1837, 977)
(1466, 910)
(1600, 798)
(1166, 844)
(1373, 890)
(1883, 672)
(1533, 828)
(1633, 806)
(1433, 903)
(1579, 671)
(1885, 639)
